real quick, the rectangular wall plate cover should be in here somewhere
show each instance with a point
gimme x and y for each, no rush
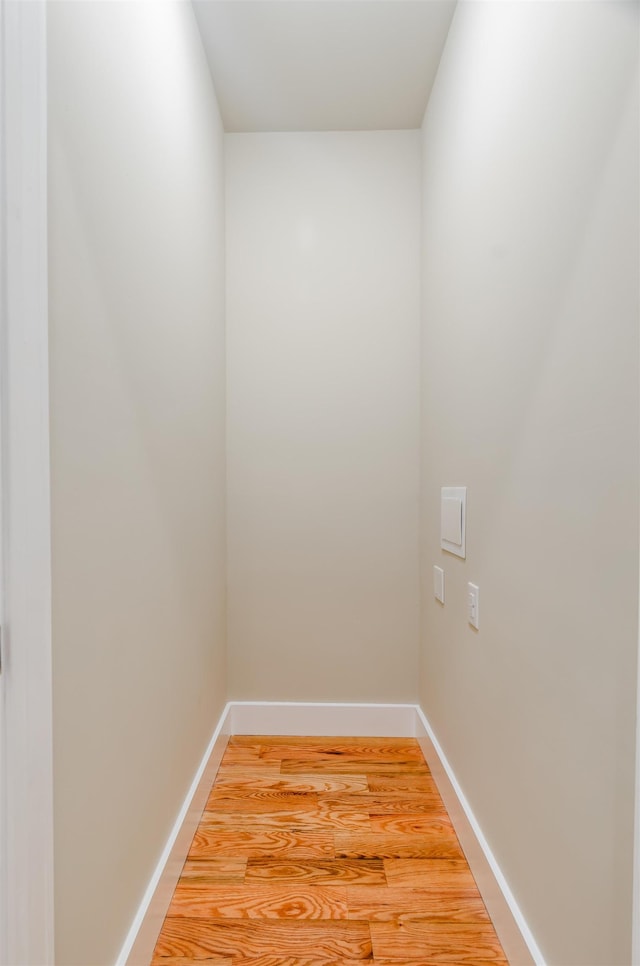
(453, 513)
(438, 584)
(473, 605)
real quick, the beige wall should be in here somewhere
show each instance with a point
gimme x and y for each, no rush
(530, 383)
(323, 375)
(530, 398)
(137, 424)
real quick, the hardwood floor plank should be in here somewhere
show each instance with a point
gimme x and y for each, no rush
(337, 751)
(215, 870)
(242, 754)
(181, 961)
(258, 767)
(428, 873)
(317, 819)
(260, 842)
(409, 824)
(293, 783)
(197, 900)
(403, 783)
(439, 841)
(250, 938)
(323, 872)
(385, 803)
(269, 960)
(393, 769)
(310, 741)
(385, 903)
(436, 942)
(258, 800)
(302, 740)
(421, 961)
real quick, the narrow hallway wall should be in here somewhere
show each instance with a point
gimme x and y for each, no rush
(530, 399)
(138, 437)
(323, 235)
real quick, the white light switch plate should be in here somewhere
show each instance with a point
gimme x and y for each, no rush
(438, 584)
(453, 513)
(473, 605)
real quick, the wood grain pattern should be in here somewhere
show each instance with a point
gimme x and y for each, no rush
(188, 961)
(386, 803)
(269, 901)
(242, 754)
(318, 851)
(436, 942)
(412, 824)
(350, 766)
(403, 783)
(317, 819)
(267, 800)
(343, 751)
(292, 783)
(231, 768)
(247, 939)
(397, 904)
(312, 741)
(269, 960)
(215, 870)
(258, 841)
(421, 961)
(334, 872)
(437, 842)
(428, 873)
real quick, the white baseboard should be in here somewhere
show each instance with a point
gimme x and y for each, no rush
(336, 720)
(138, 947)
(517, 939)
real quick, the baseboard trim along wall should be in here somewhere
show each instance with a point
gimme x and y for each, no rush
(517, 939)
(143, 935)
(335, 720)
(298, 718)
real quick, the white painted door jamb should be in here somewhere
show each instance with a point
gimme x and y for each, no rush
(635, 939)
(26, 933)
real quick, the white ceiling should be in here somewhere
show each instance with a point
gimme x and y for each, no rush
(323, 65)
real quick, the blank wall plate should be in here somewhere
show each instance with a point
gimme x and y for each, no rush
(453, 513)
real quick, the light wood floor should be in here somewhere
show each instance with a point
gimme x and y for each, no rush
(326, 850)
